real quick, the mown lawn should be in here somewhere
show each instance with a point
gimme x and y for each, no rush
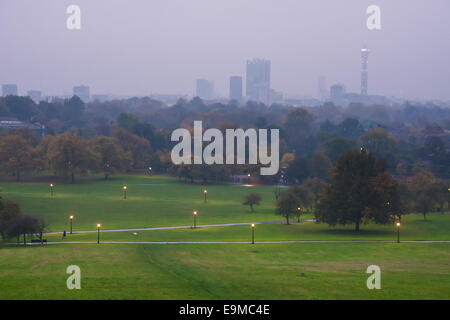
(152, 201)
(269, 271)
(413, 228)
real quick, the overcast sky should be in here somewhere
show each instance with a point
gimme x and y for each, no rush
(137, 47)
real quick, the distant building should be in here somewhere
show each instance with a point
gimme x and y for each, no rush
(337, 94)
(236, 88)
(82, 92)
(257, 80)
(100, 97)
(14, 124)
(322, 88)
(364, 71)
(205, 89)
(9, 90)
(35, 95)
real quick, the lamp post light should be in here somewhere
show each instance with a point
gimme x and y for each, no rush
(71, 219)
(98, 232)
(125, 192)
(195, 219)
(253, 233)
(299, 214)
(205, 192)
(150, 170)
(398, 231)
(51, 189)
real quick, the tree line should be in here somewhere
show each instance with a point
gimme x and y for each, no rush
(360, 190)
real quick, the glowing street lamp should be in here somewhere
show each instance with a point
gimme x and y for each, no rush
(98, 232)
(71, 219)
(195, 219)
(51, 189)
(253, 233)
(125, 192)
(398, 231)
(150, 170)
(205, 192)
(299, 213)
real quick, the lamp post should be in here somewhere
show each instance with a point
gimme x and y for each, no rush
(195, 219)
(299, 214)
(253, 233)
(98, 232)
(398, 232)
(125, 192)
(205, 192)
(150, 170)
(51, 189)
(71, 219)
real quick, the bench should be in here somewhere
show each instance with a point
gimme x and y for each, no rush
(39, 241)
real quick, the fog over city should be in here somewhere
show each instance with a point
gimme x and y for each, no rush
(140, 47)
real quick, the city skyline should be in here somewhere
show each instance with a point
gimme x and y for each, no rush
(108, 54)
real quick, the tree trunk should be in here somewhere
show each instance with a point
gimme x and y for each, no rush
(72, 177)
(357, 226)
(424, 216)
(287, 219)
(24, 239)
(251, 207)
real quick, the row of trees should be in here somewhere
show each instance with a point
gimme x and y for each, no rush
(361, 190)
(14, 223)
(69, 155)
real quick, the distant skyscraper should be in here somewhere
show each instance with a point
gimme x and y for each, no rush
(337, 94)
(35, 95)
(236, 88)
(9, 89)
(258, 79)
(82, 92)
(205, 88)
(364, 72)
(322, 88)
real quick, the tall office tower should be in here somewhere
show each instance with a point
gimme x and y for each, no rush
(258, 79)
(322, 88)
(9, 89)
(35, 95)
(205, 88)
(337, 93)
(236, 88)
(364, 72)
(82, 92)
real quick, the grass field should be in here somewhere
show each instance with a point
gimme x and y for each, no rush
(151, 202)
(269, 271)
(211, 271)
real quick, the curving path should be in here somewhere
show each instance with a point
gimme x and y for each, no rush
(182, 227)
(238, 242)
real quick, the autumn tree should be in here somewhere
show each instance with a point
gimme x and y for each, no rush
(111, 158)
(360, 191)
(287, 205)
(9, 211)
(68, 155)
(425, 192)
(138, 147)
(16, 154)
(251, 200)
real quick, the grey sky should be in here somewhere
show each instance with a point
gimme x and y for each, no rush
(161, 46)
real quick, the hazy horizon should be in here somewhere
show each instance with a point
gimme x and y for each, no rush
(143, 47)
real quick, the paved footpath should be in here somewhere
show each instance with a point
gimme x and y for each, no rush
(236, 242)
(184, 227)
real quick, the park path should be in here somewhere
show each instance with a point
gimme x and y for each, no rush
(182, 227)
(239, 242)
